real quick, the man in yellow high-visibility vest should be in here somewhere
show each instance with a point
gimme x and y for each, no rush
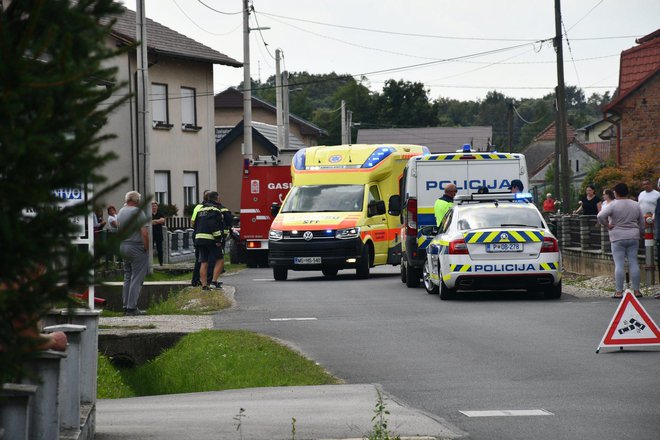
(444, 203)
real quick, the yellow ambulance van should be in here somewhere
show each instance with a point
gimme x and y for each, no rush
(335, 216)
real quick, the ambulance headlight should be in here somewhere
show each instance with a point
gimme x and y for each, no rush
(275, 234)
(344, 234)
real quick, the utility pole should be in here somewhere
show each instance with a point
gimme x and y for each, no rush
(143, 121)
(509, 123)
(560, 145)
(285, 107)
(343, 122)
(278, 101)
(349, 123)
(247, 85)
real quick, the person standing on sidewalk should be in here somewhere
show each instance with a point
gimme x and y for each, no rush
(648, 198)
(657, 236)
(625, 222)
(157, 222)
(134, 251)
(195, 278)
(209, 231)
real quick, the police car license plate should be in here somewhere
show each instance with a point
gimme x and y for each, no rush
(307, 260)
(504, 247)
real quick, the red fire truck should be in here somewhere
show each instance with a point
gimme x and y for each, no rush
(264, 182)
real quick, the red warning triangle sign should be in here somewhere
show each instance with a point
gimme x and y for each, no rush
(631, 326)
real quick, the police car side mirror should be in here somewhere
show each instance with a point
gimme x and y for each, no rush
(429, 230)
(395, 205)
(275, 209)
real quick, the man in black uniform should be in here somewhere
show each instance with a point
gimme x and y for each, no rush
(157, 222)
(209, 231)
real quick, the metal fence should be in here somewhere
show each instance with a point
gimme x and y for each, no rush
(583, 232)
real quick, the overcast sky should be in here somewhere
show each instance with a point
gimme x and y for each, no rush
(429, 41)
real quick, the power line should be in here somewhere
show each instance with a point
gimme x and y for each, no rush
(570, 51)
(350, 43)
(487, 65)
(254, 13)
(523, 119)
(584, 16)
(201, 28)
(446, 37)
(220, 12)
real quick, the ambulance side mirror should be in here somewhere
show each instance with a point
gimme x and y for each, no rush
(375, 207)
(395, 205)
(275, 209)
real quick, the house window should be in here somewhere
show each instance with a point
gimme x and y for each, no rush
(162, 187)
(188, 109)
(577, 165)
(189, 188)
(159, 107)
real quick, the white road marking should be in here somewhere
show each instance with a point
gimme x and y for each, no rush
(507, 413)
(260, 279)
(293, 319)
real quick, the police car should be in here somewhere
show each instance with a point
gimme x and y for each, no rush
(493, 241)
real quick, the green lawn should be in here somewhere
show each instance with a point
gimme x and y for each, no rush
(213, 360)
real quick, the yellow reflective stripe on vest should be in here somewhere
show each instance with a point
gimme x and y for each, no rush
(205, 236)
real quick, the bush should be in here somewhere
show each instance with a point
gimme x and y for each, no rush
(188, 210)
(168, 210)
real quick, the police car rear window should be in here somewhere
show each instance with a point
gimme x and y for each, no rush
(478, 217)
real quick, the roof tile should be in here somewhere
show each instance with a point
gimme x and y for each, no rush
(162, 39)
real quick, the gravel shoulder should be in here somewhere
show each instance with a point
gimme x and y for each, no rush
(162, 323)
(584, 286)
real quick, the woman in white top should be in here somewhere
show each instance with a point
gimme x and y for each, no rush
(112, 219)
(608, 197)
(625, 222)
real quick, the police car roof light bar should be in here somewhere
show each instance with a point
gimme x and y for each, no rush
(494, 197)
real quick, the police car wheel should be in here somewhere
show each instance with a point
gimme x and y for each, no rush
(445, 292)
(430, 286)
(280, 273)
(553, 292)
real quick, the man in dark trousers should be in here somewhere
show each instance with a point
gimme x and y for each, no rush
(195, 278)
(157, 222)
(209, 232)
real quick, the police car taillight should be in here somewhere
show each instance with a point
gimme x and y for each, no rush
(549, 245)
(411, 218)
(458, 247)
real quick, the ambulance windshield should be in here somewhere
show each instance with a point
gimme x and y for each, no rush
(325, 198)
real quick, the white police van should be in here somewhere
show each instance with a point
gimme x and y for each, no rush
(424, 181)
(490, 242)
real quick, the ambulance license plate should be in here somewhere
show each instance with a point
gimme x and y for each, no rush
(307, 260)
(504, 247)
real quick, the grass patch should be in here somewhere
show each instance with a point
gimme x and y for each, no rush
(191, 301)
(128, 327)
(110, 384)
(213, 360)
(163, 274)
(110, 314)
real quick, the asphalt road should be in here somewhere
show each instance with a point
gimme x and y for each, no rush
(483, 352)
